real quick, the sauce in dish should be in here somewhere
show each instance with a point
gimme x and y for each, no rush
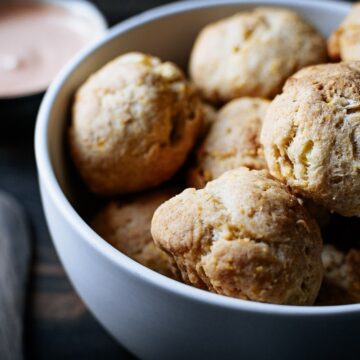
(36, 40)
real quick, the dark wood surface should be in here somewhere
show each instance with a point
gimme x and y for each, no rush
(58, 325)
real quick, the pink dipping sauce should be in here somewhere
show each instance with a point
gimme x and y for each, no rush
(36, 40)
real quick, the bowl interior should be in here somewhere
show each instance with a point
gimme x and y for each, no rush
(167, 32)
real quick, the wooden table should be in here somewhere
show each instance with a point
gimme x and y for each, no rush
(58, 325)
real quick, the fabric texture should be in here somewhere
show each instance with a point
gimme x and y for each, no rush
(14, 261)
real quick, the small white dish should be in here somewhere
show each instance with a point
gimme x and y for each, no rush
(20, 110)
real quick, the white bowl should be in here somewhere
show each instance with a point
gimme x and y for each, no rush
(153, 316)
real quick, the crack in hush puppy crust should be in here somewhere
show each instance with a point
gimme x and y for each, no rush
(311, 136)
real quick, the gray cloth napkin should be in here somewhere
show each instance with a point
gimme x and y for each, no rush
(14, 260)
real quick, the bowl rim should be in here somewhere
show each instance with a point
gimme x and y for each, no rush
(48, 178)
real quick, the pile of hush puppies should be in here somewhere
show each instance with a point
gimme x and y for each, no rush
(265, 140)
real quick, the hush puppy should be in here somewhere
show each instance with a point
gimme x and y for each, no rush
(244, 235)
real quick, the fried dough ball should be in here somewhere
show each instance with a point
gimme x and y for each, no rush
(311, 136)
(344, 43)
(244, 235)
(341, 284)
(134, 122)
(232, 142)
(126, 226)
(252, 53)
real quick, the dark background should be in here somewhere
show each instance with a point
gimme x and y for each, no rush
(58, 326)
